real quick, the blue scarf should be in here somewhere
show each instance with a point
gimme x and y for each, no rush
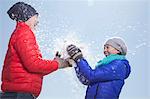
(109, 59)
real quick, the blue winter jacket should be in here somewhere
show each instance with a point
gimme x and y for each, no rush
(104, 82)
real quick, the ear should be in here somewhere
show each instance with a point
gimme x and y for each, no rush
(118, 52)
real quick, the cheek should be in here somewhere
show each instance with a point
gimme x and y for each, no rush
(110, 51)
(113, 52)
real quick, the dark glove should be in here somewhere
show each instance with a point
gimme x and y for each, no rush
(74, 52)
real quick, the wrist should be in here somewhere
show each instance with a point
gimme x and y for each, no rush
(77, 56)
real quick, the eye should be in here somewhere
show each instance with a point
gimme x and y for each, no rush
(107, 47)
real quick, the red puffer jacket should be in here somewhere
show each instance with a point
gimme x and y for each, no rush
(24, 68)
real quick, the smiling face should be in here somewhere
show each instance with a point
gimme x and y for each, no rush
(110, 50)
(32, 22)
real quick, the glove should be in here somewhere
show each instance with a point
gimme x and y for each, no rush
(74, 52)
(63, 63)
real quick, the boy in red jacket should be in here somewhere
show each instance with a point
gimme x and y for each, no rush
(24, 67)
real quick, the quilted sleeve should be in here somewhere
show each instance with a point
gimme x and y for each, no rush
(30, 56)
(81, 77)
(112, 71)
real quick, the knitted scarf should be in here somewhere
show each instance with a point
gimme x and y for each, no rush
(109, 59)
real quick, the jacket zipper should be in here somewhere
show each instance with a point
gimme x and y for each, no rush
(96, 91)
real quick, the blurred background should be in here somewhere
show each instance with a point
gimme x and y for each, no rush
(88, 23)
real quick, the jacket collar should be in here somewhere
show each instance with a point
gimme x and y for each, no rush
(22, 24)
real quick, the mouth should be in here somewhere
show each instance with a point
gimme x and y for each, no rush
(36, 24)
(106, 53)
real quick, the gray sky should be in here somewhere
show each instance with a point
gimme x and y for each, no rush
(92, 22)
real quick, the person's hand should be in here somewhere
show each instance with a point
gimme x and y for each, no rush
(74, 52)
(63, 63)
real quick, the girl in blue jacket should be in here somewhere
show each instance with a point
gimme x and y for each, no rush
(107, 79)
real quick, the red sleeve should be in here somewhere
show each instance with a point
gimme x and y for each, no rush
(30, 55)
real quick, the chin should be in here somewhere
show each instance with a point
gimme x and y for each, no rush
(106, 55)
(33, 29)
